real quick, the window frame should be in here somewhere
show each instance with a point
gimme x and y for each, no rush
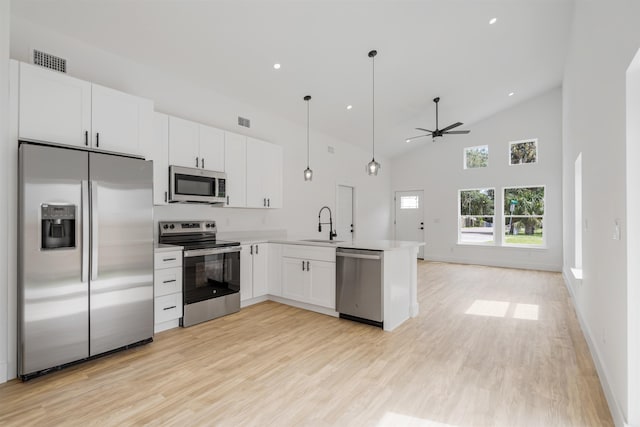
(535, 141)
(543, 245)
(464, 156)
(459, 220)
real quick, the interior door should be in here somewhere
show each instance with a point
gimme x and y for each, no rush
(344, 214)
(409, 217)
(121, 290)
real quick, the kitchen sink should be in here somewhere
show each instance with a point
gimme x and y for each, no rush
(322, 241)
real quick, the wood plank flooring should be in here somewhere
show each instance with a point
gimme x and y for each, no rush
(270, 364)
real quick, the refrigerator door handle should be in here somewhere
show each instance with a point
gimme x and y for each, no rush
(84, 268)
(94, 230)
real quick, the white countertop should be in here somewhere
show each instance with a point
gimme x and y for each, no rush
(159, 248)
(376, 245)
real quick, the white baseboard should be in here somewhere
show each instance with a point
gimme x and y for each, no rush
(251, 301)
(615, 409)
(304, 305)
(3, 372)
(492, 263)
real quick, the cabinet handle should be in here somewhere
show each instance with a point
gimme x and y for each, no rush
(165, 197)
(227, 199)
(268, 203)
(251, 253)
(202, 161)
(169, 281)
(197, 161)
(168, 259)
(97, 139)
(169, 308)
(86, 137)
(264, 202)
(256, 249)
(302, 265)
(308, 269)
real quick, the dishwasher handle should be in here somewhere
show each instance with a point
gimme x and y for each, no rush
(359, 256)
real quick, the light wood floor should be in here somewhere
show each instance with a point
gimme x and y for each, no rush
(276, 365)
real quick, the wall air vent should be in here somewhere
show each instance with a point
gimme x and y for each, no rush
(49, 61)
(244, 122)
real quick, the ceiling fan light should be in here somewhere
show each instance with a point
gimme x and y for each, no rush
(373, 167)
(308, 174)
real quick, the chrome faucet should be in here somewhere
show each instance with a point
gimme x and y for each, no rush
(332, 233)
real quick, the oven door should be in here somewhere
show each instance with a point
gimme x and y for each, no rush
(210, 273)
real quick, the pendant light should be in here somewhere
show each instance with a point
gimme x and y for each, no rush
(373, 167)
(308, 173)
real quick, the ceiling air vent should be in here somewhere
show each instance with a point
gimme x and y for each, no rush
(244, 122)
(49, 61)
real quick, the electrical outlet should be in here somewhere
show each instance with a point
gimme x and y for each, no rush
(330, 149)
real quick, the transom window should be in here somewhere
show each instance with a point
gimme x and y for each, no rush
(476, 157)
(476, 219)
(524, 216)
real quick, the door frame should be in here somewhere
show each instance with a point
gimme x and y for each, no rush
(395, 219)
(353, 206)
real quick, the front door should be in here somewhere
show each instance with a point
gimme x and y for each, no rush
(409, 218)
(344, 213)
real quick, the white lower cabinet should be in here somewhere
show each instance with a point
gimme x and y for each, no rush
(167, 288)
(309, 280)
(254, 271)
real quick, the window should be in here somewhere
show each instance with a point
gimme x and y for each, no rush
(524, 216)
(475, 224)
(521, 152)
(476, 157)
(409, 202)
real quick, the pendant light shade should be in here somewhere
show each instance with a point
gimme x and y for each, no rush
(308, 173)
(373, 167)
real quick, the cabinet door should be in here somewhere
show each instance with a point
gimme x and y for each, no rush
(120, 122)
(256, 173)
(235, 166)
(322, 284)
(160, 157)
(260, 270)
(246, 272)
(184, 141)
(53, 107)
(294, 279)
(274, 284)
(211, 148)
(273, 178)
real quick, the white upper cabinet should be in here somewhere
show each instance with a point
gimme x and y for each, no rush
(264, 174)
(61, 109)
(211, 148)
(184, 143)
(235, 166)
(193, 145)
(54, 107)
(159, 153)
(120, 122)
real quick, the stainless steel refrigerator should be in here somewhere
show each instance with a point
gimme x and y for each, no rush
(85, 255)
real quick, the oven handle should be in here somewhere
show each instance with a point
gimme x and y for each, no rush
(213, 251)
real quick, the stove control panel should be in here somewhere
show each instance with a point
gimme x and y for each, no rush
(186, 227)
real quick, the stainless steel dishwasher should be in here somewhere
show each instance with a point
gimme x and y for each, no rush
(359, 293)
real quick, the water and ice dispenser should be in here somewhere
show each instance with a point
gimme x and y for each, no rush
(58, 226)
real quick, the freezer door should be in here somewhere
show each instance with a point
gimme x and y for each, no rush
(121, 291)
(53, 317)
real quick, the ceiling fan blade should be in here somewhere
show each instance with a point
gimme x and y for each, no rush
(424, 130)
(455, 125)
(415, 137)
(457, 132)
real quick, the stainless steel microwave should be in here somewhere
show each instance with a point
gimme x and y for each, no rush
(192, 185)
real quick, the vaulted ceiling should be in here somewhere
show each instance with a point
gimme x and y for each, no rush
(426, 48)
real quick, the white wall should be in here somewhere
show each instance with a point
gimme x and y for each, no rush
(4, 160)
(605, 38)
(302, 200)
(437, 167)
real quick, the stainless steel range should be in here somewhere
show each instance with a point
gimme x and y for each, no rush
(211, 270)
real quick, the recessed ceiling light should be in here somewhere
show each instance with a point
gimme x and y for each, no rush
(493, 21)
(511, 93)
(276, 66)
(349, 107)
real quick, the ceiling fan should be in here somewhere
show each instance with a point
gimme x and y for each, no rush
(439, 132)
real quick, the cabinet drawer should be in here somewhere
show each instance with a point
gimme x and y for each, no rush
(168, 259)
(168, 307)
(318, 253)
(167, 281)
